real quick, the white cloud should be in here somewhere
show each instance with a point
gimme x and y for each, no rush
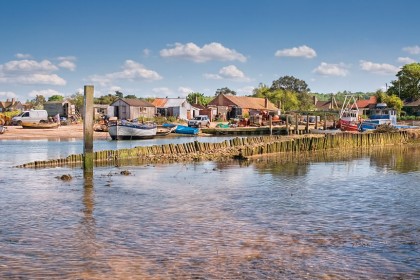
(327, 69)
(302, 51)
(7, 94)
(162, 90)
(46, 93)
(248, 90)
(146, 52)
(406, 60)
(131, 71)
(230, 72)
(185, 91)
(378, 68)
(67, 62)
(212, 51)
(25, 65)
(23, 55)
(412, 50)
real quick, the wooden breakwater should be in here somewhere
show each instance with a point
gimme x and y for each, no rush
(233, 148)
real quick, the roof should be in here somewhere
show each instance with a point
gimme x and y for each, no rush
(414, 103)
(136, 102)
(169, 102)
(325, 105)
(198, 106)
(366, 103)
(10, 104)
(244, 102)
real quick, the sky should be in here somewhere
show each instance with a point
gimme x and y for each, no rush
(169, 48)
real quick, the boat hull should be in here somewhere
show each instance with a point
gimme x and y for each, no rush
(348, 126)
(28, 125)
(182, 129)
(132, 131)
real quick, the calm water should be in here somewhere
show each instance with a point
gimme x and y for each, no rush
(341, 216)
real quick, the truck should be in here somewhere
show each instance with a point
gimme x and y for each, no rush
(34, 116)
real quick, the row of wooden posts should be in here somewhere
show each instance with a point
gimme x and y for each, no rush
(243, 147)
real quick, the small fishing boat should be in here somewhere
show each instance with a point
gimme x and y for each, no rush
(131, 131)
(163, 130)
(182, 129)
(349, 115)
(40, 125)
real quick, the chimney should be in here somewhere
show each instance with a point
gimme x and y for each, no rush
(315, 100)
(13, 101)
(266, 103)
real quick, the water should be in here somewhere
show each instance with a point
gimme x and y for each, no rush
(352, 215)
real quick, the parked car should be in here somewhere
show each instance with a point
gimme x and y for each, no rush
(199, 121)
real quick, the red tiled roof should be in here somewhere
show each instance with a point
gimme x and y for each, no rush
(160, 102)
(244, 102)
(365, 103)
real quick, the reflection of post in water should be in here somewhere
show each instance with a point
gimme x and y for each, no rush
(88, 132)
(86, 233)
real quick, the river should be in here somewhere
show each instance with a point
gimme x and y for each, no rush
(329, 215)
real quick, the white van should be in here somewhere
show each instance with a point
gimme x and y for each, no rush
(30, 116)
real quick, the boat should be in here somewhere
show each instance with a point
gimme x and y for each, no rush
(40, 125)
(163, 130)
(182, 129)
(130, 130)
(382, 115)
(349, 119)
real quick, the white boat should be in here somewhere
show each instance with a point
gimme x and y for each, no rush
(131, 131)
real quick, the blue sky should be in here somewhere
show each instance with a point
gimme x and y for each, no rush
(170, 48)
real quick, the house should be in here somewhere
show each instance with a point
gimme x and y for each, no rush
(230, 106)
(412, 107)
(329, 105)
(174, 107)
(365, 105)
(8, 106)
(100, 110)
(126, 108)
(63, 108)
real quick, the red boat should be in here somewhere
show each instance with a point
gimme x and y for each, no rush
(349, 115)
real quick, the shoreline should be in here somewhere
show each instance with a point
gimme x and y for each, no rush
(73, 131)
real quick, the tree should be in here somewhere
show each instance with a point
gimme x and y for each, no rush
(407, 85)
(38, 102)
(77, 100)
(198, 98)
(224, 90)
(119, 94)
(106, 99)
(290, 83)
(392, 101)
(56, 98)
(131, 96)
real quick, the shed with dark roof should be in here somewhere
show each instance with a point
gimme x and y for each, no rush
(127, 108)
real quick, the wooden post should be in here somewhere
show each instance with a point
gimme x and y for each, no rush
(287, 125)
(325, 121)
(307, 123)
(297, 124)
(88, 132)
(271, 124)
(316, 122)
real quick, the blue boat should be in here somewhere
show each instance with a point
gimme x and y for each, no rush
(382, 115)
(182, 129)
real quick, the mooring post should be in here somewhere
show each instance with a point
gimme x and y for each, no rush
(307, 123)
(88, 132)
(297, 124)
(287, 125)
(271, 124)
(325, 121)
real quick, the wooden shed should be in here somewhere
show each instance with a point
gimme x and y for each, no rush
(127, 108)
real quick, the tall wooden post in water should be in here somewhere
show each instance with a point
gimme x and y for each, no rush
(88, 132)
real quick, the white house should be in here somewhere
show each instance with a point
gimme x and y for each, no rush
(174, 107)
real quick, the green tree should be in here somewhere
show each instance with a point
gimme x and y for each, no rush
(392, 101)
(56, 97)
(224, 90)
(119, 94)
(131, 96)
(290, 83)
(198, 98)
(407, 85)
(77, 100)
(38, 102)
(106, 99)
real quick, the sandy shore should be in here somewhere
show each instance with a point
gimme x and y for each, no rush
(63, 132)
